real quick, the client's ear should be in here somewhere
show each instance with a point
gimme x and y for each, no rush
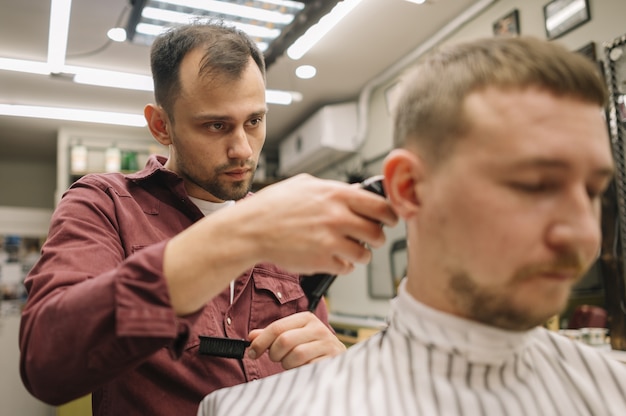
(157, 123)
(403, 171)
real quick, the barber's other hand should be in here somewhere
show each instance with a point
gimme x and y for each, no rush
(295, 340)
(309, 225)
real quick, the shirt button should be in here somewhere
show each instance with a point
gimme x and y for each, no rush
(279, 295)
(228, 320)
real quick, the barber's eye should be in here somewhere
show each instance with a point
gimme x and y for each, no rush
(256, 121)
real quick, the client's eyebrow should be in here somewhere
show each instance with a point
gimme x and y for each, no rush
(604, 172)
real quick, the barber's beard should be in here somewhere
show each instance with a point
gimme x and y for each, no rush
(213, 184)
(495, 307)
(228, 190)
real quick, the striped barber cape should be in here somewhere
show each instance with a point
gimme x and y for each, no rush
(430, 363)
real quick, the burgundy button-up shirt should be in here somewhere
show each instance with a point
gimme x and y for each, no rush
(98, 317)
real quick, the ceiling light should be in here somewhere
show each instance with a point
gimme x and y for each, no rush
(19, 65)
(296, 97)
(263, 22)
(113, 79)
(117, 34)
(320, 29)
(306, 71)
(278, 97)
(282, 97)
(73, 114)
(57, 37)
(127, 80)
(279, 12)
(116, 79)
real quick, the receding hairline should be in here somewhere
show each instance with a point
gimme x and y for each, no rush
(225, 49)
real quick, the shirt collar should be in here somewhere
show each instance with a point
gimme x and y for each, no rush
(479, 343)
(155, 163)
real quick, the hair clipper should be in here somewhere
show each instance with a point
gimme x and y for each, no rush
(316, 285)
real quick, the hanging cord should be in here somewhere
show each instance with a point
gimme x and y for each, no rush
(106, 44)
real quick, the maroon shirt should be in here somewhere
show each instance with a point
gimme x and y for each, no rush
(98, 317)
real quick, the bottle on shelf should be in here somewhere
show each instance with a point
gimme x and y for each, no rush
(113, 159)
(78, 157)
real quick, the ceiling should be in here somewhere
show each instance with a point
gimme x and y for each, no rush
(373, 37)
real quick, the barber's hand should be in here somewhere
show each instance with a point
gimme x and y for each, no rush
(309, 225)
(303, 224)
(295, 340)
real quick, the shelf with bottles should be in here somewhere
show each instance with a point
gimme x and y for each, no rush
(80, 152)
(86, 159)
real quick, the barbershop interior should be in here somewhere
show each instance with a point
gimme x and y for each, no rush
(75, 77)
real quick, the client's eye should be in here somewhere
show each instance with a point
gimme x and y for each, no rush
(534, 187)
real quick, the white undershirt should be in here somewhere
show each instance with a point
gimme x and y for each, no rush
(208, 207)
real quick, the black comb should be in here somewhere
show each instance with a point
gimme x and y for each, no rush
(223, 347)
(316, 285)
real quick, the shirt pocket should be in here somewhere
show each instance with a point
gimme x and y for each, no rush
(276, 294)
(207, 323)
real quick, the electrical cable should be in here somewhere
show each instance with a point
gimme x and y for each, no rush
(106, 44)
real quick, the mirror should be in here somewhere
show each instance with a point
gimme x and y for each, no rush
(614, 226)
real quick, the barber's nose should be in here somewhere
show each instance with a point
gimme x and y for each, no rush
(576, 224)
(239, 145)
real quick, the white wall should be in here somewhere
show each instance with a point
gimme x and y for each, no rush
(349, 294)
(27, 184)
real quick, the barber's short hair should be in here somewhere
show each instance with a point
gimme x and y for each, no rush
(429, 111)
(227, 52)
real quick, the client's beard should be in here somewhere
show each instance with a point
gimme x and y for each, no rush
(495, 307)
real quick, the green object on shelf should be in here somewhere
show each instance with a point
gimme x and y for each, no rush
(129, 161)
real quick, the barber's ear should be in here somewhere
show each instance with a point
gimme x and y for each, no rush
(403, 172)
(158, 123)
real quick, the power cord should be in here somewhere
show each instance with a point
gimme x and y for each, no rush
(107, 43)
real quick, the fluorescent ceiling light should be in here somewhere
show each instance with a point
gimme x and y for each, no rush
(19, 65)
(316, 32)
(150, 30)
(144, 83)
(116, 79)
(278, 97)
(112, 79)
(230, 9)
(282, 97)
(253, 30)
(73, 114)
(256, 31)
(263, 21)
(57, 37)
